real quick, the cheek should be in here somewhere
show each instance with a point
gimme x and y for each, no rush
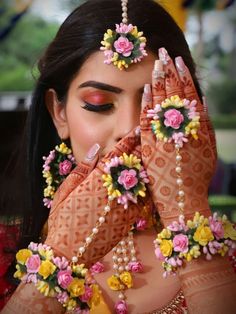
(85, 130)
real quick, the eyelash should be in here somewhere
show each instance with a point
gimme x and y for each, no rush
(97, 108)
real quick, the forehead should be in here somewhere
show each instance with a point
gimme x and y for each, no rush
(132, 78)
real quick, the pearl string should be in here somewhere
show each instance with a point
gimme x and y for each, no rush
(124, 4)
(179, 180)
(95, 230)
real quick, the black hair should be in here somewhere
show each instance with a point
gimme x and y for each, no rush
(78, 37)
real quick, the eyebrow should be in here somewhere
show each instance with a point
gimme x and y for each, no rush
(101, 86)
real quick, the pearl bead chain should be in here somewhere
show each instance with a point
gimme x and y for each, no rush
(95, 230)
(124, 4)
(179, 181)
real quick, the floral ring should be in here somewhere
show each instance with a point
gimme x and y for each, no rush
(125, 179)
(174, 120)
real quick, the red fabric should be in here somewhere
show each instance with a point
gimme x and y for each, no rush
(8, 240)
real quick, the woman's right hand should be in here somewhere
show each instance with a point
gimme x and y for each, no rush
(80, 201)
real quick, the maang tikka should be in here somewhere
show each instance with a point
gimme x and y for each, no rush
(125, 45)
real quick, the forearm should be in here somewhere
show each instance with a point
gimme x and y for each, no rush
(209, 286)
(27, 299)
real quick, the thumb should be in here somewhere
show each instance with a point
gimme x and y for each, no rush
(84, 167)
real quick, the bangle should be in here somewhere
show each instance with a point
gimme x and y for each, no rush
(181, 242)
(69, 282)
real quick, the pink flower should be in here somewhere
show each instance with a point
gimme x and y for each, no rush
(216, 228)
(61, 262)
(124, 28)
(173, 118)
(121, 307)
(65, 167)
(180, 243)
(158, 254)
(179, 138)
(33, 263)
(135, 267)
(141, 224)
(123, 46)
(64, 278)
(62, 297)
(97, 268)
(128, 178)
(87, 295)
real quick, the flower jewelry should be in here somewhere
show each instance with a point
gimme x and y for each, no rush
(125, 45)
(56, 277)
(125, 179)
(56, 168)
(181, 242)
(174, 120)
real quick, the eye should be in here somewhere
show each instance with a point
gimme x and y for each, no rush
(97, 108)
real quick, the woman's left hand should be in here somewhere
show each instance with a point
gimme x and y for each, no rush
(159, 157)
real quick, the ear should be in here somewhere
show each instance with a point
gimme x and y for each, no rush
(57, 111)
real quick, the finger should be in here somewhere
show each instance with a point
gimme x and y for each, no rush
(77, 175)
(158, 83)
(146, 105)
(185, 76)
(173, 84)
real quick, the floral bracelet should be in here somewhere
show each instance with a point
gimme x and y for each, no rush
(69, 282)
(181, 242)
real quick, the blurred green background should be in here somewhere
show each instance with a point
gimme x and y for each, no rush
(27, 26)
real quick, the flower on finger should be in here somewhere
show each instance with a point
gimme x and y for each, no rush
(174, 120)
(125, 179)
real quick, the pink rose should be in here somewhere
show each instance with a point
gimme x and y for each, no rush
(64, 278)
(128, 178)
(141, 224)
(97, 268)
(135, 267)
(173, 118)
(123, 46)
(33, 263)
(87, 295)
(159, 255)
(65, 167)
(180, 243)
(121, 307)
(217, 228)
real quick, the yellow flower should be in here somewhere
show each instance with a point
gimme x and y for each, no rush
(127, 279)
(49, 191)
(63, 149)
(224, 249)
(164, 234)
(71, 304)
(45, 289)
(18, 274)
(166, 247)
(47, 254)
(229, 231)
(174, 101)
(23, 255)
(76, 287)
(46, 269)
(114, 283)
(131, 161)
(203, 235)
(96, 297)
(195, 251)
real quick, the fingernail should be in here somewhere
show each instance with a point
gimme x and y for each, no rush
(180, 64)
(92, 152)
(163, 55)
(147, 89)
(204, 101)
(158, 65)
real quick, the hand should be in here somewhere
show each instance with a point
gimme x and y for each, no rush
(80, 201)
(159, 158)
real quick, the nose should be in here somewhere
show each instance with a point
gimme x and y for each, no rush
(128, 115)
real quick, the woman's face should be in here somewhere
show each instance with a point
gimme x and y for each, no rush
(104, 103)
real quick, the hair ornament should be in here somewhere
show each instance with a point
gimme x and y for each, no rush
(124, 45)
